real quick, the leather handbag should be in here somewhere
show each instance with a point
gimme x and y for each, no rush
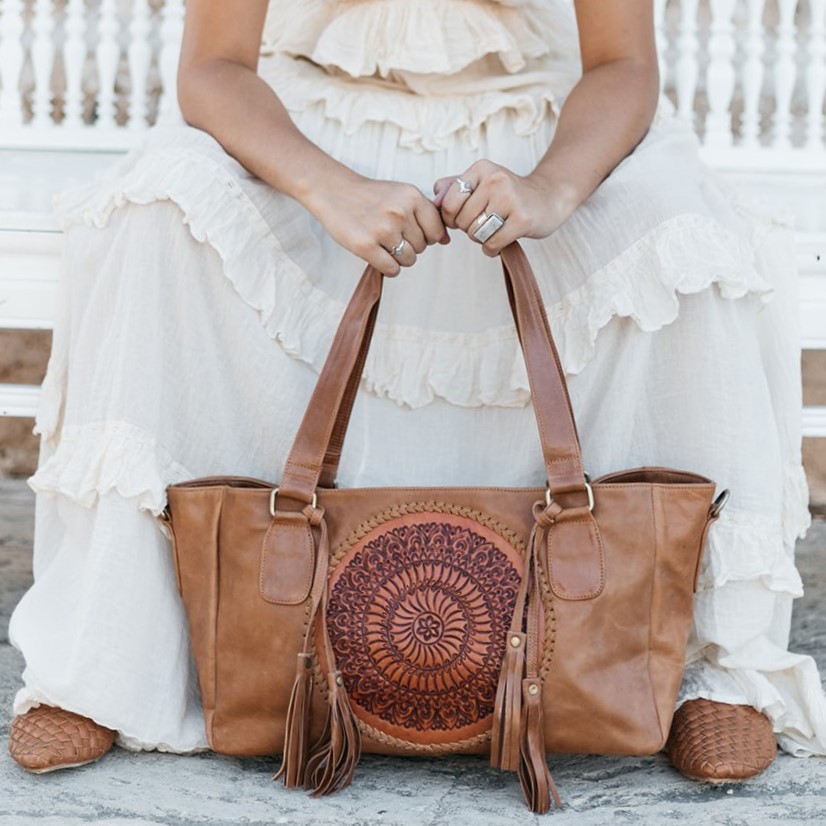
(427, 621)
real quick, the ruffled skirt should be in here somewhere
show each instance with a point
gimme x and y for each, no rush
(198, 305)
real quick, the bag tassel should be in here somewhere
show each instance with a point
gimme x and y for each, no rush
(297, 734)
(335, 756)
(507, 709)
(333, 762)
(507, 713)
(534, 775)
(518, 736)
(330, 764)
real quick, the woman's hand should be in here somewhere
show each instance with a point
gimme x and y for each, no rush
(530, 206)
(385, 223)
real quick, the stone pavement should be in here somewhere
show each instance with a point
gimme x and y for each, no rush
(144, 789)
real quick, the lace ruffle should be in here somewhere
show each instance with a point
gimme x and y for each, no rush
(747, 547)
(410, 365)
(427, 119)
(382, 37)
(94, 459)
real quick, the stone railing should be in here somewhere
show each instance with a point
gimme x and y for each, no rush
(749, 74)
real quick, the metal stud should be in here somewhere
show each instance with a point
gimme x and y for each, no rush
(515, 642)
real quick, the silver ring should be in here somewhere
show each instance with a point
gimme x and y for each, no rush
(399, 248)
(464, 187)
(487, 225)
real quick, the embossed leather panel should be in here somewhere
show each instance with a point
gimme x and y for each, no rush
(418, 614)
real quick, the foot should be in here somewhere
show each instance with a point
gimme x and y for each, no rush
(719, 742)
(46, 739)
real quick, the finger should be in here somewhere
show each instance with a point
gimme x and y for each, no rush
(440, 188)
(474, 205)
(384, 262)
(414, 235)
(402, 252)
(455, 199)
(430, 222)
(507, 233)
(480, 216)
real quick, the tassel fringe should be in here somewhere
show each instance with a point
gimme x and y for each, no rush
(337, 752)
(518, 735)
(534, 775)
(297, 734)
(507, 713)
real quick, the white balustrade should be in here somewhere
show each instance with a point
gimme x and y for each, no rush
(753, 73)
(720, 78)
(140, 58)
(662, 40)
(107, 53)
(172, 29)
(784, 74)
(11, 64)
(687, 64)
(816, 75)
(42, 62)
(74, 58)
(750, 75)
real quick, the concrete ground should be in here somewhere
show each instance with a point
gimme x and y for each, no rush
(143, 789)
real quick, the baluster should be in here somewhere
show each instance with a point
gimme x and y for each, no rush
(753, 74)
(11, 63)
(172, 29)
(688, 47)
(107, 54)
(816, 74)
(720, 76)
(74, 54)
(140, 57)
(784, 74)
(662, 40)
(42, 62)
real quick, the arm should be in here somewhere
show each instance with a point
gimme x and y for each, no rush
(220, 92)
(605, 116)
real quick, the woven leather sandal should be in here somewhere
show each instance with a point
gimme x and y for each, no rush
(46, 739)
(720, 742)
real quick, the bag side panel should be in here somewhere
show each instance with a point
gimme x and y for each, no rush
(257, 642)
(194, 519)
(681, 515)
(597, 693)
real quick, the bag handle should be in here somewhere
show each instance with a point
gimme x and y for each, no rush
(317, 446)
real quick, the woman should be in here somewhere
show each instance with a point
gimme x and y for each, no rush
(206, 275)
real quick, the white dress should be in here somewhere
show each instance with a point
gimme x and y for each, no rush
(198, 305)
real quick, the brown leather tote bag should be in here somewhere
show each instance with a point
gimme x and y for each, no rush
(431, 621)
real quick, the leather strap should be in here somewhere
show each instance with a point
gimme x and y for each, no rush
(316, 451)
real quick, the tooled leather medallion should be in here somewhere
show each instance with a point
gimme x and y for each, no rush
(418, 614)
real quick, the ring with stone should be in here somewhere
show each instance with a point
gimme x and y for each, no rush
(486, 226)
(464, 186)
(399, 248)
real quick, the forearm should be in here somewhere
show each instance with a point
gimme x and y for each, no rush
(605, 116)
(239, 109)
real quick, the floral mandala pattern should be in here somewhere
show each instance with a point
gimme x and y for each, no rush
(418, 616)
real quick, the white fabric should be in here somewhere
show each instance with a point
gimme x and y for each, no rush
(198, 305)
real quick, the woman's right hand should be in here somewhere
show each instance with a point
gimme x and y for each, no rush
(370, 218)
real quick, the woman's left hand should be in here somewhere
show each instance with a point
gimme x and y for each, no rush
(528, 206)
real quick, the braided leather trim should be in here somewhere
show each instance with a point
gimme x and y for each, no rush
(508, 534)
